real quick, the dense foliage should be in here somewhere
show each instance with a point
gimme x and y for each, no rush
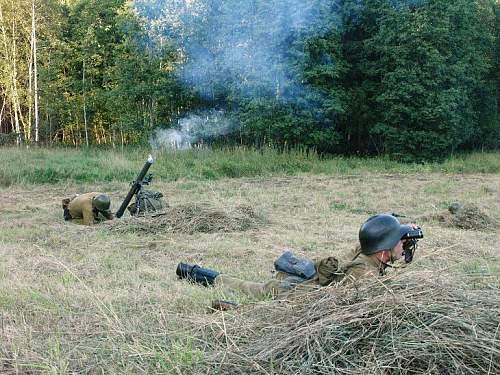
(416, 80)
(421, 76)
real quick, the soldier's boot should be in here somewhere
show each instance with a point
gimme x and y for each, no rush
(196, 274)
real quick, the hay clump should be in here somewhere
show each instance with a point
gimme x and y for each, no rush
(467, 217)
(471, 217)
(405, 325)
(189, 218)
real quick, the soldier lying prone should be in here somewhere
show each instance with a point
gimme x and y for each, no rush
(383, 240)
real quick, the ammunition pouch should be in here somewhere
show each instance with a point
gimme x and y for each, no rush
(329, 271)
(147, 202)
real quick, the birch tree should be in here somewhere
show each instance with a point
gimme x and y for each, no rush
(35, 70)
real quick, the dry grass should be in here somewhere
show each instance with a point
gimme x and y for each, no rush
(415, 322)
(469, 217)
(190, 219)
(93, 300)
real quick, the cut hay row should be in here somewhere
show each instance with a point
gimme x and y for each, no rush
(409, 324)
(469, 217)
(189, 218)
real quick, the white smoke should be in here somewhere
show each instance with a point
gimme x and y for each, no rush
(193, 131)
(234, 50)
(170, 139)
(243, 47)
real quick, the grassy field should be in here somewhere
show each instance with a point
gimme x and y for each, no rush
(77, 299)
(56, 166)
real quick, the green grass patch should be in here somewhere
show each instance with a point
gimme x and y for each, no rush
(52, 166)
(177, 357)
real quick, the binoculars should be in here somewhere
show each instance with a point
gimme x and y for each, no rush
(411, 238)
(413, 234)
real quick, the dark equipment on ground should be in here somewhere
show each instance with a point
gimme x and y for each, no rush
(295, 266)
(137, 188)
(147, 201)
(411, 242)
(196, 274)
(220, 305)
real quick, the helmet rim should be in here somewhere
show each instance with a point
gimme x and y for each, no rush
(381, 232)
(101, 203)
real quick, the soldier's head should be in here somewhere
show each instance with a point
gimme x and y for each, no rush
(101, 203)
(380, 237)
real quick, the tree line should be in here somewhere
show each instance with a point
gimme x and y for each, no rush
(416, 80)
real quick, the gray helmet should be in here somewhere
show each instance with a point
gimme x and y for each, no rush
(381, 232)
(101, 202)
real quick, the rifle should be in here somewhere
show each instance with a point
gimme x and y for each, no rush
(136, 186)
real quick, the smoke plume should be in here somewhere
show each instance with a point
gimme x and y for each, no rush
(244, 49)
(192, 130)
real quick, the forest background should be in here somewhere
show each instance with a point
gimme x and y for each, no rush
(415, 80)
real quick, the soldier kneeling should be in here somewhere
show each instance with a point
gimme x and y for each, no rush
(91, 207)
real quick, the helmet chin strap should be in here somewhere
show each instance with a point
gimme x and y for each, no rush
(384, 265)
(393, 264)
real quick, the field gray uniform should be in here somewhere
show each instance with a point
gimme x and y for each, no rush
(328, 271)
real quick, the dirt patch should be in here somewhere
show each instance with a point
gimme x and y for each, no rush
(189, 218)
(468, 217)
(413, 321)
